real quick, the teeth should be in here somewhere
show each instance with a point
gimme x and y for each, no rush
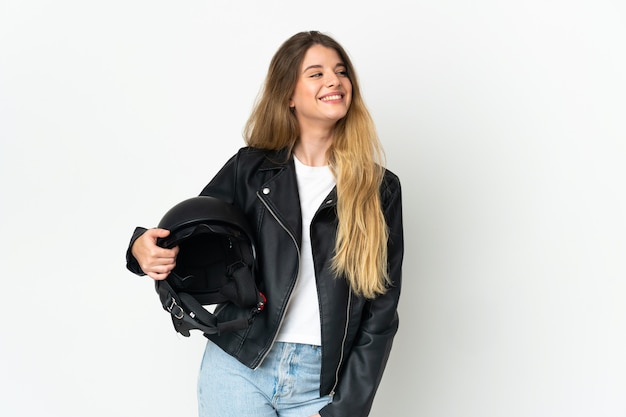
(335, 97)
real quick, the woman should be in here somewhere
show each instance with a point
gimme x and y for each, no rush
(328, 229)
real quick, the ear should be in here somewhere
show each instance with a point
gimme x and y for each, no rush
(292, 105)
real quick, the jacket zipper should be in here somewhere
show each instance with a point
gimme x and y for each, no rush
(282, 318)
(343, 344)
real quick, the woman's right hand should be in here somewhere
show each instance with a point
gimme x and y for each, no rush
(155, 261)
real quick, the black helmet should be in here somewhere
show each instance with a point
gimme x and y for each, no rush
(215, 264)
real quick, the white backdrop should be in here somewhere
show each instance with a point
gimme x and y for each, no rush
(504, 120)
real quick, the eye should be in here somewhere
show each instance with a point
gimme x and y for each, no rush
(316, 75)
(342, 72)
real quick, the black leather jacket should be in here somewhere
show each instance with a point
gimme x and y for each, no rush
(357, 333)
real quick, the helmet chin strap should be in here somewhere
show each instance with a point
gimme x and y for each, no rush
(188, 314)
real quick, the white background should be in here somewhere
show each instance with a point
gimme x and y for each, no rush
(505, 121)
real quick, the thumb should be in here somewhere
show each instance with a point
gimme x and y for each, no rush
(157, 233)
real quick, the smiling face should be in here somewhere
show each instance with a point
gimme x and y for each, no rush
(323, 91)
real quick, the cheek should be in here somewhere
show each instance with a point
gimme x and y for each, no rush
(348, 88)
(303, 94)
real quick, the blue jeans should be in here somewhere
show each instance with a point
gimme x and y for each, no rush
(285, 385)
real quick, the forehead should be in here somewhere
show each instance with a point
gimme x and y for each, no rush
(318, 55)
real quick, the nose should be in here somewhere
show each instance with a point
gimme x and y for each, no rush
(332, 80)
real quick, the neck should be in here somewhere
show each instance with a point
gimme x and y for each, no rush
(312, 150)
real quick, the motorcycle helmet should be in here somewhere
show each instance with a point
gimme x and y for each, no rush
(215, 264)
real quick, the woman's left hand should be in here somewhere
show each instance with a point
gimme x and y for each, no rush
(316, 415)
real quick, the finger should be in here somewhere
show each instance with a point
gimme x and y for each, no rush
(158, 267)
(158, 276)
(156, 252)
(156, 232)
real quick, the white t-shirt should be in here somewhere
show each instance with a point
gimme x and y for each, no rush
(302, 320)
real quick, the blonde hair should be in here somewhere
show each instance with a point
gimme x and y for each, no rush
(355, 157)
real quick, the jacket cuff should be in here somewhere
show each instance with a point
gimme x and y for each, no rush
(131, 263)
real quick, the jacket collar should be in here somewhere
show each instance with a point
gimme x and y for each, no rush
(276, 159)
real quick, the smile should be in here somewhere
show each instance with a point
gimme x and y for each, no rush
(333, 97)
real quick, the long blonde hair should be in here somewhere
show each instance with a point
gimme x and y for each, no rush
(355, 157)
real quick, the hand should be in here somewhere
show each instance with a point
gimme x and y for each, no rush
(316, 415)
(155, 261)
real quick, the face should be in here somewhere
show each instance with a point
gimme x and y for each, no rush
(323, 91)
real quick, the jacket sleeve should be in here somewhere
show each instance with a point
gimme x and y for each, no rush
(366, 362)
(131, 263)
(221, 186)
(224, 183)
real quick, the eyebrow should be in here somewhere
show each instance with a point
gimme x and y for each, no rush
(339, 64)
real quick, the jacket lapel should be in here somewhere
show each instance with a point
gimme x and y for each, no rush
(279, 190)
